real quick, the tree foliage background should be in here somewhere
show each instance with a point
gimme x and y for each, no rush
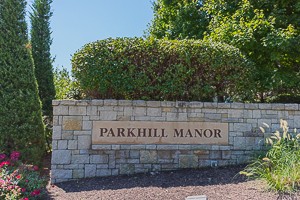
(267, 32)
(41, 42)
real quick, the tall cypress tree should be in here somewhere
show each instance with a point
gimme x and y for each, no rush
(21, 125)
(41, 42)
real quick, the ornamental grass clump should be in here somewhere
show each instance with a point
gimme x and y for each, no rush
(280, 166)
(19, 181)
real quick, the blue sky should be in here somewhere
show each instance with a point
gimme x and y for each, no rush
(78, 22)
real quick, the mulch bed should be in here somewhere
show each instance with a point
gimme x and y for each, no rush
(215, 183)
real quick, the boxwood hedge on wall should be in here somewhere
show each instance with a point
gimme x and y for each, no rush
(135, 68)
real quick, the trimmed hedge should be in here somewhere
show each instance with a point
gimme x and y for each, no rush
(134, 68)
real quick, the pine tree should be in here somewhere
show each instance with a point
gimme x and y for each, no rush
(21, 125)
(41, 42)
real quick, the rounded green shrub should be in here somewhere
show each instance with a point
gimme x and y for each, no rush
(135, 68)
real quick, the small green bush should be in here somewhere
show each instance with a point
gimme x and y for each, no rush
(280, 166)
(65, 86)
(134, 68)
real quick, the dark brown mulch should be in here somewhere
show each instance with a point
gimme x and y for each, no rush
(215, 183)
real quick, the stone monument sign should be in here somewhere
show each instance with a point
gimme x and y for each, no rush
(147, 132)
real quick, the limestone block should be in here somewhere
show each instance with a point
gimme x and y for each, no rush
(226, 155)
(171, 117)
(92, 110)
(201, 152)
(56, 102)
(133, 161)
(168, 104)
(188, 161)
(61, 157)
(248, 114)
(67, 135)
(115, 172)
(56, 135)
(164, 154)
(182, 116)
(111, 161)
(291, 106)
(154, 112)
(195, 104)
(72, 144)
(151, 147)
(210, 105)
(77, 110)
(89, 171)
(78, 173)
(60, 110)
(71, 166)
(108, 115)
(204, 163)
(251, 106)
(125, 103)
(115, 147)
(239, 143)
(128, 111)
(139, 111)
(297, 121)
(87, 125)
(61, 173)
(102, 146)
(264, 106)
(110, 102)
(71, 123)
(62, 144)
(134, 154)
(148, 157)
(123, 118)
(238, 105)
(168, 147)
(56, 120)
(102, 166)
(127, 169)
(97, 102)
(215, 155)
(213, 116)
(138, 147)
(104, 172)
(236, 114)
(153, 103)
(84, 142)
(84, 152)
(242, 127)
(54, 144)
(138, 103)
(80, 159)
(97, 159)
(224, 105)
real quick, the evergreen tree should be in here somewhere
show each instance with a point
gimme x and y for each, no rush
(41, 42)
(21, 125)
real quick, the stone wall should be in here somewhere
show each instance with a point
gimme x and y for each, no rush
(75, 157)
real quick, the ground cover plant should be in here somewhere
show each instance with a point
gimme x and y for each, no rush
(279, 167)
(19, 181)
